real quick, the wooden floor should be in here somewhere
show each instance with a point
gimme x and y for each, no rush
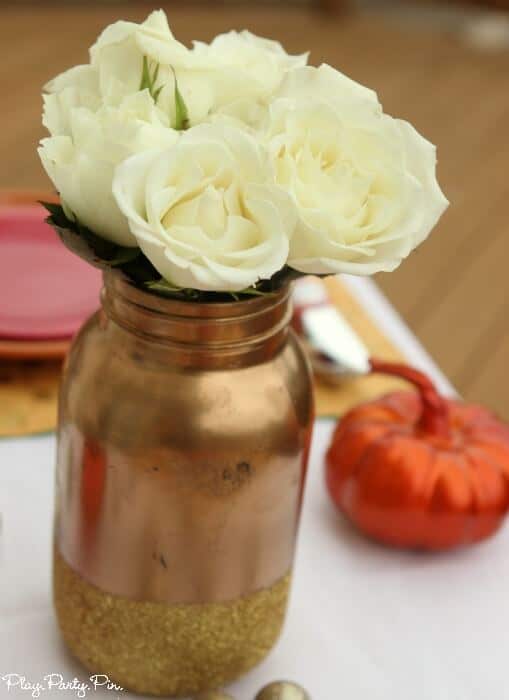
(454, 292)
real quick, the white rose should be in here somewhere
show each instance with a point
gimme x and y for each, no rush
(364, 183)
(118, 56)
(81, 162)
(206, 212)
(246, 70)
(115, 72)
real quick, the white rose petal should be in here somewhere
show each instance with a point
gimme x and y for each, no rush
(77, 87)
(327, 83)
(82, 163)
(261, 63)
(206, 212)
(364, 184)
(246, 70)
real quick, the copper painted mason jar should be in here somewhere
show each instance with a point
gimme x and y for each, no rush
(184, 434)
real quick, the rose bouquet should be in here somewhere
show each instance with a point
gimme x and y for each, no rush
(229, 167)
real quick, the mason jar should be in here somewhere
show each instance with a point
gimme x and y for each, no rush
(184, 433)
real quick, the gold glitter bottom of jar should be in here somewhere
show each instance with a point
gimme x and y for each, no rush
(162, 649)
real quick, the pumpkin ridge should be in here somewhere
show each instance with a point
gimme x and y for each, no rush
(434, 473)
(365, 462)
(494, 464)
(474, 483)
(359, 467)
(352, 480)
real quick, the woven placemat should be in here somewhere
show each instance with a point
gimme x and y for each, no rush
(28, 396)
(335, 399)
(29, 390)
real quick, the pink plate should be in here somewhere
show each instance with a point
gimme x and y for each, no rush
(46, 292)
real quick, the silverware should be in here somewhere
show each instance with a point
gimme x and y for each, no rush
(335, 349)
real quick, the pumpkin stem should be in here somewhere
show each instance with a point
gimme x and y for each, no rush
(435, 413)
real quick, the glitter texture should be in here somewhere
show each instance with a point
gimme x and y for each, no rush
(163, 649)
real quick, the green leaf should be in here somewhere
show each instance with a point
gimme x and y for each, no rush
(96, 250)
(163, 286)
(166, 289)
(132, 262)
(56, 212)
(156, 74)
(252, 292)
(169, 290)
(281, 279)
(146, 82)
(181, 111)
(140, 270)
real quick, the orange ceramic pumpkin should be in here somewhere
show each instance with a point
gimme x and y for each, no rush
(414, 469)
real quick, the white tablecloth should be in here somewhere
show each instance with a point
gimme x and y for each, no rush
(365, 622)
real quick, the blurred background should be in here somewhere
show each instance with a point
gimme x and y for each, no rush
(442, 65)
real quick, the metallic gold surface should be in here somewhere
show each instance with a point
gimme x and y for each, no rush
(165, 649)
(282, 690)
(184, 432)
